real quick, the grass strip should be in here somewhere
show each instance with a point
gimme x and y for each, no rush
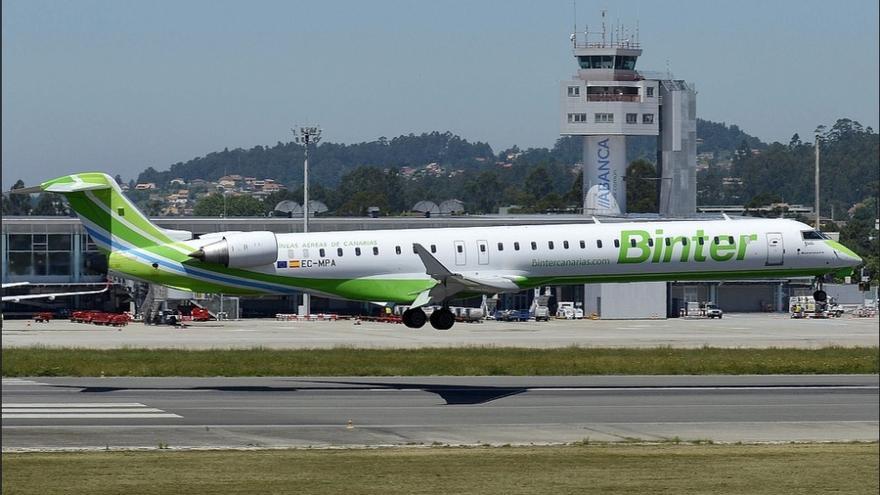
(467, 361)
(657, 469)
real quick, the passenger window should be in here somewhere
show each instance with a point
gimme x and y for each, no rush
(501, 246)
(550, 244)
(650, 242)
(357, 251)
(617, 243)
(482, 248)
(632, 242)
(583, 245)
(338, 251)
(668, 242)
(397, 249)
(599, 243)
(516, 246)
(534, 245)
(321, 252)
(730, 240)
(433, 248)
(375, 250)
(565, 244)
(684, 241)
(459, 248)
(716, 240)
(701, 241)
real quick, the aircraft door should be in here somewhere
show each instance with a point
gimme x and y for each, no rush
(460, 255)
(483, 252)
(775, 249)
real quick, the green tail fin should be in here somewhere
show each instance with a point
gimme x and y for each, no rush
(112, 220)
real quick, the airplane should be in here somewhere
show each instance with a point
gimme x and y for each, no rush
(50, 296)
(422, 267)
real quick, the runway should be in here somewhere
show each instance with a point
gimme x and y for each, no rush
(100, 413)
(752, 330)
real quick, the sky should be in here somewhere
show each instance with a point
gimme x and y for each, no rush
(121, 85)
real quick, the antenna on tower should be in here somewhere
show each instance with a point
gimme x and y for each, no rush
(603, 27)
(574, 11)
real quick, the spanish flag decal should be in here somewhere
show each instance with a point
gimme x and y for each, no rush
(293, 264)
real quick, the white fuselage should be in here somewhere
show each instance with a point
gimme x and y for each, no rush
(575, 253)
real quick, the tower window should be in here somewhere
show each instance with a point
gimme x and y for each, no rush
(577, 118)
(649, 91)
(632, 118)
(603, 118)
(574, 91)
(647, 118)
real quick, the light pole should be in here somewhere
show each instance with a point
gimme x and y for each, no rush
(818, 138)
(305, 136)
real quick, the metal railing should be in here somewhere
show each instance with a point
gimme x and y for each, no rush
(612, 97)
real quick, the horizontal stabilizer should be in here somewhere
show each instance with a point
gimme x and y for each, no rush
(75, 186)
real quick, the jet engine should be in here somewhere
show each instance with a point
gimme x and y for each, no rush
(240, 250)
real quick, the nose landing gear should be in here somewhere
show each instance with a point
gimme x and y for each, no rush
(819, 295)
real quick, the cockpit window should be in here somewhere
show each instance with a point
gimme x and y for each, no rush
(813, 235)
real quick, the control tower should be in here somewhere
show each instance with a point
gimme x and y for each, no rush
(608, 100)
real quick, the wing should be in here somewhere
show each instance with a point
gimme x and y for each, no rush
(450, 284)
(52, 296)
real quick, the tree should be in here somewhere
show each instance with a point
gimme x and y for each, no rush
(17, 204)
(860, 236)
(539, 183)
(641, 187)
(236, 206)
(49, 204)
(485, 192)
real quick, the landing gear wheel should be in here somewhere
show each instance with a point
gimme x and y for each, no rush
(442, 319)
(414, 318)
(820, 296)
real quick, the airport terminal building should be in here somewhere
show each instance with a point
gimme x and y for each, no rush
(55, 254)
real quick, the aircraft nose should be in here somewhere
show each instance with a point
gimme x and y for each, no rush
(848, 256)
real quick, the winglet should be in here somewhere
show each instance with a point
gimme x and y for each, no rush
(432, 267)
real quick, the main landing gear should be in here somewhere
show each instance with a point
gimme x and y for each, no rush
(441, 319)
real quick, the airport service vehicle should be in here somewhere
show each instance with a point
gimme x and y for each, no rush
(568, 311)
(713, 311)
(423, 267)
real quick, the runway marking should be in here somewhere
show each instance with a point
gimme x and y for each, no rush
(83, 410)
